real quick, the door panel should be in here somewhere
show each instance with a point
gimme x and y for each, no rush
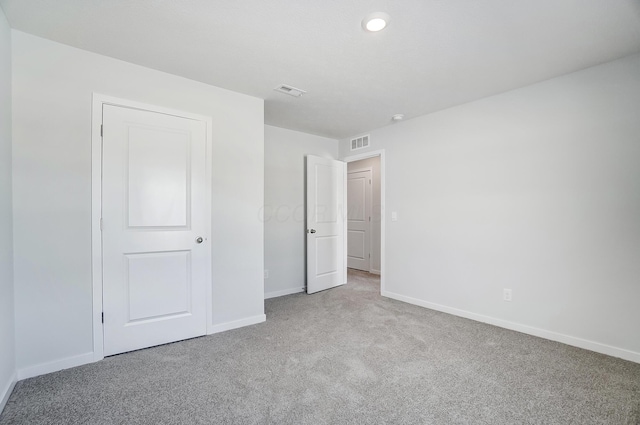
(158, 284)
(325, 223)
(356, 246)
(154, 208)
(158, 178)
(359, 195)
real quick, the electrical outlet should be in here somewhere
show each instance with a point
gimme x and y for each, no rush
(506, 294)
(266, 274)
(394, 216)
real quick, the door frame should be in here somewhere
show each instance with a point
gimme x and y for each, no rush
(98, 101)
(369, 223)
(371, 154)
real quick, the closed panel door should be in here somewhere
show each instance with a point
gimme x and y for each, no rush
(156, 254)
(359, 220)
(325, 223)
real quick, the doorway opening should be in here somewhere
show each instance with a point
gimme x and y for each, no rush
(365, 227)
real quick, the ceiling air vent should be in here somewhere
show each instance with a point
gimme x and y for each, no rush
(360, 142)
(291, 91)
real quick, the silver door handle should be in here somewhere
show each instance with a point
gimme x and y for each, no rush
(311, 230)
(199, 239)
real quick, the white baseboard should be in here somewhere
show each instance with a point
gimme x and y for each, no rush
(82, 359)
(6, 391)
(374, 271)
(530, 330)
(282, 293)
(227, 326)
(54, 366)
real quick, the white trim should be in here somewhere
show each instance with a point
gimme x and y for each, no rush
(375, 272)
(274, 294)
(227, 326)
(359, 170)
(345, 224)
(209, 208)
(54, 366)
(98, 101)
(383, 226)
(4, 396)
(529, 330)
(96, 234)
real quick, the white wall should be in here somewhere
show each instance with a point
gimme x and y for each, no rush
(284, 198)
(537, 190)
(52, 94)
(374, 164)
(7, 352)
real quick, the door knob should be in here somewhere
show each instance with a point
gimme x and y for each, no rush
(312, 231)
(199, 239)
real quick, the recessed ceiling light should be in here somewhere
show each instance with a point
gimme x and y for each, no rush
(375, 21)
(398, 117)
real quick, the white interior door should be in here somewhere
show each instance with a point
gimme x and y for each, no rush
(325, 224)
(359, 220)
(155, 211)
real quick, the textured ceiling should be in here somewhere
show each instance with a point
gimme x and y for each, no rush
(434, 54)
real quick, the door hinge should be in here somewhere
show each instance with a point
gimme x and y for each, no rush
(101, 224)
(101, 130)
(103, 317)
(369, 218)
(369, 181)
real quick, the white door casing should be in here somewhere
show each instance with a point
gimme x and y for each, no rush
(155, 208)
(359, 194)
(326, 266)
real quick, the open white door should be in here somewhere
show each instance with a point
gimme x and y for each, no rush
(325, 223)
(156, 253)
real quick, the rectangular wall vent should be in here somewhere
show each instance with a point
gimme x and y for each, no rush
(360, 142)
(291, 91)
